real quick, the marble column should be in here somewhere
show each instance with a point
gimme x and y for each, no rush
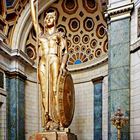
(15, 83)
(119, 67)
(98, 110)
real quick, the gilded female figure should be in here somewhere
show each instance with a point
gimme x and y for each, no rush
(52, 62)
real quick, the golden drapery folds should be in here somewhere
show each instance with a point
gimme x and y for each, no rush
(57, 90)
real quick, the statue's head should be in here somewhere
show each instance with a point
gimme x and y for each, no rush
(50, 19)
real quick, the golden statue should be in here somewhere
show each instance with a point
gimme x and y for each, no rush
(57, 91)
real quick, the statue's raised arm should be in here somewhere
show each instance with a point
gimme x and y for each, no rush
(34, 17)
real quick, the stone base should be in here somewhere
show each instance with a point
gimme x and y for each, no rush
(54, 136)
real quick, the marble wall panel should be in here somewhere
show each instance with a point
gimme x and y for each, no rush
(119, 78)
(119, 55)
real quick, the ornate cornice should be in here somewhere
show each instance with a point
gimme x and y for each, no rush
(135, 47)
(15, 54)
(119, 12)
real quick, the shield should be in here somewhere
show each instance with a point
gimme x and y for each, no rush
(66, 99)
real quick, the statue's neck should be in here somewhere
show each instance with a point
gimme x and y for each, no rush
(50, 31)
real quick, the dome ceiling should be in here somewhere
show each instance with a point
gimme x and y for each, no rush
(83, 23)
(81, 20)
(10, 11)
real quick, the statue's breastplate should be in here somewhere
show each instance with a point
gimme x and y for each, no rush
(50, 44)
(53, 44)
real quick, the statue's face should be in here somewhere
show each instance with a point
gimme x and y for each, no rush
(49, 20)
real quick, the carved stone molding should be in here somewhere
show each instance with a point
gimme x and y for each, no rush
(135, 47)
(15, 54)
(119, 12)
(2, 36)
(15, 74)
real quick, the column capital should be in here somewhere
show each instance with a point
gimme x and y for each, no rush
(118, 13)
(15, 74)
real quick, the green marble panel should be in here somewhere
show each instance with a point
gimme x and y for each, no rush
(119, 78)
(21, 109)
(119, 98)
(120, 24)
(119, 73)
(98, 111)
(119, 55)
(119, 32)
(12, 109)
(119, 37)
(15, 108)
(124, 136)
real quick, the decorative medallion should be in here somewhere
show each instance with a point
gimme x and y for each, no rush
(77, 48)
(71, 50)
(100, 31)
(69, 6)
(74, 24)
(30, 51)
(76, 39)
(90, 5)
(93, 43)
(98, 52)
(85, 39)
(91, 56)
(83, 48)
(88, 24)
(88, 51)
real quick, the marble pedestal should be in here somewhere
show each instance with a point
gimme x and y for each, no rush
(54, 136)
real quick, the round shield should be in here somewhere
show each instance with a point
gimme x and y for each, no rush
(66, 99)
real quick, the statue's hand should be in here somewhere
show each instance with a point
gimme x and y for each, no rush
(63, 71)
(33, 1)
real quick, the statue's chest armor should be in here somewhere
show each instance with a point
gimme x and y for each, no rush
(53, 41)
(50, 43)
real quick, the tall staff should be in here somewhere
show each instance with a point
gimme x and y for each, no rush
(37, 44)
(45, 74)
